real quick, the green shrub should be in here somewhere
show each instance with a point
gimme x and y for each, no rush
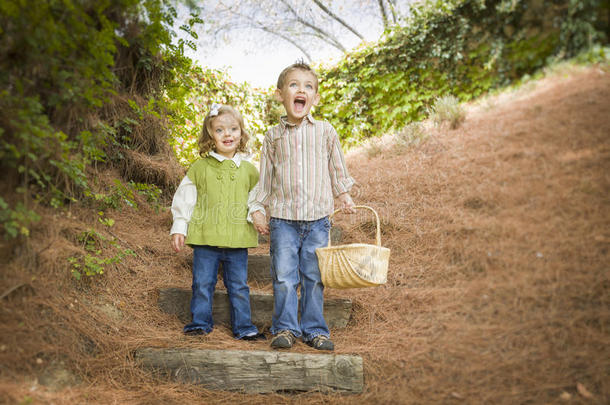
(374, 147)
(92, 263)
(16, 221)
(411, 134)
(447, 109)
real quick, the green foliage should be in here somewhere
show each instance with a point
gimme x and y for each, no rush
(459, 47)
(61, 64)
(16, 221)
(188, 101)
(125, 195)
(150, 192)
(109, 222)
(92, 263)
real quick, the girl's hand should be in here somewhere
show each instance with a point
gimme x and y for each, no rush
(347, 205)
(259, 219)
(177, 241)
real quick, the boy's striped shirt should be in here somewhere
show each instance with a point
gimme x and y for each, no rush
(302, 170)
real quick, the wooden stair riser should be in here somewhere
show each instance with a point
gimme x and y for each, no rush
(256, 371)
(259, 269)
(176, 301)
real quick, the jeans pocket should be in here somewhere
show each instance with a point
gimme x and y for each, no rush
(273, 223)
(326, 223)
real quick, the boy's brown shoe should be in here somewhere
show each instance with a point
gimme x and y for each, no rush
(321, 342)
(283, 340)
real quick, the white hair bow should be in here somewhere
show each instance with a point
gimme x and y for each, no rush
(214, 110)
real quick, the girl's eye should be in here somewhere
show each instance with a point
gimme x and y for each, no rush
(218, 130)
(235, 129)
(309, 86)
(292, 84)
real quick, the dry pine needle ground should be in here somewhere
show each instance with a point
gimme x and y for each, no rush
(498, 288)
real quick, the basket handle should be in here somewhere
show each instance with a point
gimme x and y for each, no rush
(378, 232)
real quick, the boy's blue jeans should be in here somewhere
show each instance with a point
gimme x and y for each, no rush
(293, 261)
(205, 275)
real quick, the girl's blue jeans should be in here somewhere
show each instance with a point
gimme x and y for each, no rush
(294, 262)
(205, 275)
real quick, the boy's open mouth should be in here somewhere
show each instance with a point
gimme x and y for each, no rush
(299, 104)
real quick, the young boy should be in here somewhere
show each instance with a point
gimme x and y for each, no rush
(302, 169)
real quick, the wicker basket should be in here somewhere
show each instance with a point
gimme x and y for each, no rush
(355, 265)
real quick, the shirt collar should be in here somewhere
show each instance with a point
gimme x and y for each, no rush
(284, 121)
(237, 158)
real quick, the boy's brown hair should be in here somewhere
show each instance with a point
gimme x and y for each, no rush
(206, 140)
(300, 65)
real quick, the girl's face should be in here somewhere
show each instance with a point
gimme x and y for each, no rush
(226, 132)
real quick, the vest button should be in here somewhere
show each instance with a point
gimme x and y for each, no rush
(232, 164)
(219, 177)
(232, 177)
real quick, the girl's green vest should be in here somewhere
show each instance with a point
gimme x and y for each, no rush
(219, 217)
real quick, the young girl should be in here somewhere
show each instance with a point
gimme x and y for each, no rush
(209, 210)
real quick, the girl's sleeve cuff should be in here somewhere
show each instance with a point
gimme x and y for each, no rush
(179, 226)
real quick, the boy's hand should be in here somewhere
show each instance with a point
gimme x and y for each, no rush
(177, 241)
(347, 205)
(259, 219)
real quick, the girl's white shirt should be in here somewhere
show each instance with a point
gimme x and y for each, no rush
(185, 197)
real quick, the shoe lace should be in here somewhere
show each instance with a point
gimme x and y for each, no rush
(287, 334)
(319, 340)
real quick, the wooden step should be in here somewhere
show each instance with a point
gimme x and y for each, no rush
(256, 371)
(259, 268)
(177, 301)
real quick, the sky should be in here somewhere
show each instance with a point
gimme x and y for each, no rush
(258, 67)
(261, 65)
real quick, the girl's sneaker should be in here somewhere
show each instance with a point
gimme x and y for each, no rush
(258, 336)
(195, 332)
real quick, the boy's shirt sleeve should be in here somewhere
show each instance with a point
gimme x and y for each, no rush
(183, 205)
(253, 190)
(340, 180)
(260, 194)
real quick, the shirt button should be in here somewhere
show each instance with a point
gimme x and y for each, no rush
(233, 165)
(219, 177)
(232, 177)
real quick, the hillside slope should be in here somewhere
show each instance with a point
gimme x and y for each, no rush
(498, 289)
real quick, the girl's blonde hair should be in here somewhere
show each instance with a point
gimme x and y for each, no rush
(206, 140)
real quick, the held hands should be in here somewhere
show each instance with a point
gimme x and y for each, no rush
(177, 241)
(346, 203)
(259, 219)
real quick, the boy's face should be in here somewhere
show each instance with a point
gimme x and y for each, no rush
(298, 94)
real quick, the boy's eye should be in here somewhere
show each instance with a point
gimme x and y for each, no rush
(292, 85)
(309, 86)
